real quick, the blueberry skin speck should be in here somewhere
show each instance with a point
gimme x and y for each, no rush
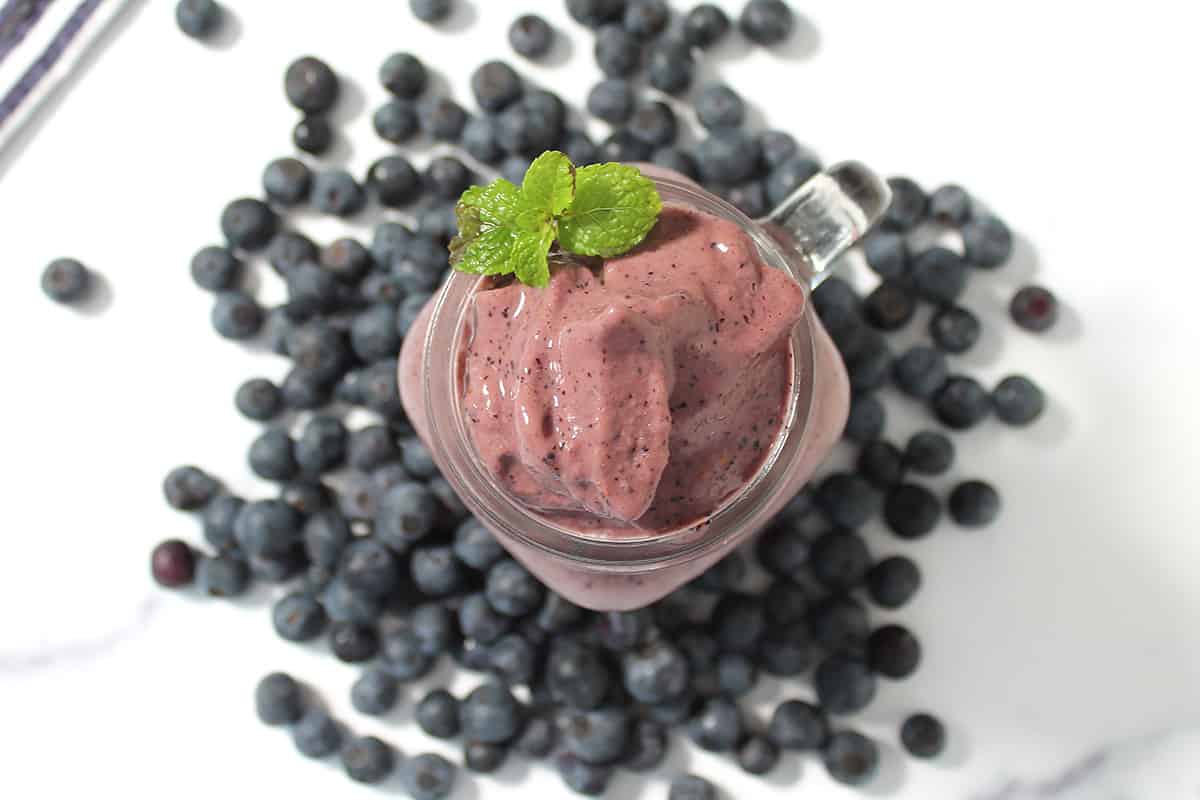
(272, 456)
(847, 500)
(336, 192)
(923, 735)
(705, 25)
(866, 419)
(188, 488)
(310, 85)
(172, 564)
(427, 777)
(223, 576)
(961, 403)
(1018, 400)
(431, 10)
(215, 268)
(286, 181)
(511, 589)
(987, 242)
(437, 714)
(921, 371)
(844, 684)
(908, 207)
(911, 511)
(929, 453)
(495, 86)
(248, 224)
(670, 67)
(368, 760)
(954, 329)
(691, 787)
(851, 758)
(974, 504)
(313, 134)
(893, 651)
(892, 582)
(374, 693)
(797, 725)
(611, 100)
(950, 204)
(396, 121)
(581, 777)
(297, 617)
(718, 106)
(717, 726)
(490, 714)
(352, 642)
(218, 521)
(404, 75)
(278, 699)
(198, 19)
(531, 36)
(757, 755)
(1034, 308)
(887, 254)
(317, 734)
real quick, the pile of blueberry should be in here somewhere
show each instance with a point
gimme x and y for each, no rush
(375, 554)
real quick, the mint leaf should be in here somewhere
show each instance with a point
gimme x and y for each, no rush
(491, 238)
(615, 207)
(529, 257)
(549, 184)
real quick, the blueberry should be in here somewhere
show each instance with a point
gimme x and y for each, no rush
(213, 268)
(1018, 400)
(396, 121)
(313, 134)
(447, 177)
(611, 100)
(851, 758)
(546, 108)
(844, 684)
(336, 192)
(367, 759)
(490, 714)
(1034, 309)
(481, 139)
(380, 389)
(475, 546)
(267, 527)
(646, 19)
(987, 242)
(887, 254)
(691, 787)
(316, 579)
(198, 19)
(866, 419)
(483, 758)
(391, 241)
(622, 145)
(893, 651)
(513, 659)
(288, 250)
(427, 777)
(374, 693)
(738, 622)
(437, 714)
(646, 746)
(676, 159)
(834, 293)
(717, 726)
(781, 550)
(480, 621)
(287, 181)
(847, 500)
(277, 567)
(736, 674)
(892, 582)
(950, 204)
(749, 198)
(248, 224)
(557, 615)
(757, 755)
(921, 371)
(929, 453)
(594, 13)
(373, 336)
(923, 735)
(728, 157)
(954, 329)
(961, 403)
(223, 576)
(840, 559)
(172, 564)
(580, 777)
(939, 275)
(218, 520)
(513, 168)
(322, 445)
(839, 623)
(869, 362)
(576, 674)
(320, 349)
(310, 85)
(442, 118)
(537, 739)
(297, 617)
(188, 488)
(618, 52)
(655, 672)
(766, 22)
(881, 462)
(784, 603)
(438, 222)
(311, 290)
(723, 576)
(718, 106)
(598, 736)
(345, 603)
(889, 307)
(524, 132)
(307, 495)
(403, 75)
(797, 725)
(495, 86)
(368, 566)
(278, 326)
(911, 511)
(371, 447)
(974, 503)
(317, 734)
(777, 146)
(272, 456)
(410, 308)
(909, 204)
(302, 389)
(670, 67)
(278, 699)
(673, 712)
(511, 590)
(353, 642)
(705, 25)
(435, 570)
(531, 36)
(427, 258)
(431, 10)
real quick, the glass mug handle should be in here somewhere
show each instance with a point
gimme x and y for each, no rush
(829, 213)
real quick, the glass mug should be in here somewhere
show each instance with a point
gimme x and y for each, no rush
(803, 236)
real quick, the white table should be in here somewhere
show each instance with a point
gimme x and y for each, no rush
(1060, 642)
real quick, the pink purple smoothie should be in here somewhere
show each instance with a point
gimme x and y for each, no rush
(638, 393)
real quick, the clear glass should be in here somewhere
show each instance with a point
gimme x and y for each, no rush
(802, 237)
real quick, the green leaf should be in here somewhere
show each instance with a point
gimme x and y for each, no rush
(529, 257)
(481, 212)
(615, 207)
(504, 250)
(549, 185)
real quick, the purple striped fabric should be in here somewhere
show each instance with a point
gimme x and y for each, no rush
(17, 18)
(47, 59)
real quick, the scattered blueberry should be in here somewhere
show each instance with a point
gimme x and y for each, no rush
(646, 19)
(974, 503)
(961, 403)
(950, 204)
(297, 617)
(313, 134)
(789, 176)
(219, 517)
(676, 159)
(622, 145)
(214, 268)
(537, 739)
(929, 453)
(881, 462)
(311, 85)
(188, 488)
(286, 181)
(839, 622)
(670, 67)
(514, 167)
(172, 564)
(844, 684)
(728, 157)
(288, 250)
(1034, 309)
(594, 13)
(490, 714)
(576, 674)
(481, 139)
(618, 52)
(396, 121)
(923, 735)
(851, 758)
(198, 19)
(272, 456)
(495, 86)
(303, 389)
(475, 546)
(893, 651)
(511, 589)
(611, 100)
(892, 582)
(718, 106)
(437, 714)
(278, 699)
(336, 192)
(598, 736)
(757, 755)
(840, 559)
(889, 307)
(248, 224)
(909, 204)
(866, 419)
(939, 275)
(442, 118)
(427, 777)
(581, 777)
(479, 621)
(531, 36)
(352, 642)
(513, 659)
(717, 726)
(911, 511)
(368, 759)
(987, 242)
(223, 576)
(374, 693)
(921, 371)
(797, 725)
(1018, 400)
(483, 758)
(887, 254)
(317, 734)
(736, 674)
(691, 787)
(655, 672)
(847, 500)
(403, 75)
(705, 25)
(954, 329)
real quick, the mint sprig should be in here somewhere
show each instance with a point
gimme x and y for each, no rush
(599, 210)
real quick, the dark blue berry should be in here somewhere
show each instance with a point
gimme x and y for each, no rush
(442, 118)
(576, 674)
(909, 204)
(223, 576)
(1034, 308)
(277, 327)
(594, 13)
(531, 36)
(374, 693)
(326, 535)
(188, 488)
(319, 349)
(887, 254)
(676, 159)
(546, 108)
(353, 642)
(431, 10)
(277, 567)
(738, 622)
(961, 403)
(514, 167)
(987, 242)
(483, 758)
(717, 726)
(840, 559)
(313, 134)
(479, 621)
(766, 22)
(215, 268)
(495, 85)
(835, 293)
(236, 315)
(427, 777)
(954, 329)
(646, 19)
(525, 132)
(310, 85)
(723, 576)
(438, 222)
(248, 224)
(618, 52)
(889, 307)
(670, 67)
(757, 755)
(198, 19)
(844, 684)
(380, 389)
(598, 736)
(475, 546)
(371, 447)
(622, 145)
(718, 106)
(866, 419)
(368, 759)
(391, 241)
(322, 445)
(537, 739)
(336, 192)
(923, 735)
(705, 25)
(511, 589)
(490, 714)
(655, 672)
(851, 758)
(557, 614)
(437, 714)
(736, 674)
(396, 183)
(267, 527)
(673, 712)
(288, 250)
(581, 777)
(317, 734)
(396, 121)
(797, 725)
(929, 453)
(272, 456)
(436, 571)
(881, 462)
(287, 181)
(777, 147)
(172, 564)
(911, 511)
(921, 371)
(513, 659)
(1018, 400)
(838, 623)
(869, 361)
(784, 602)
(974, 503)
(373, 336)
(950, 204)
(403, 75)
(278, 699)
(646, 746)
(892, 582)
(847, 500)
(749, 198)
(370, 567)
(893, 651)
(307, 495)
(939, 275)
(481, 139)
(297, 617)
(611, 100)
(345, 603)
(218, 520)
(781, 550)
(311, 290)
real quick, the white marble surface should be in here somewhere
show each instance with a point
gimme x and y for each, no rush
(1061, 645)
